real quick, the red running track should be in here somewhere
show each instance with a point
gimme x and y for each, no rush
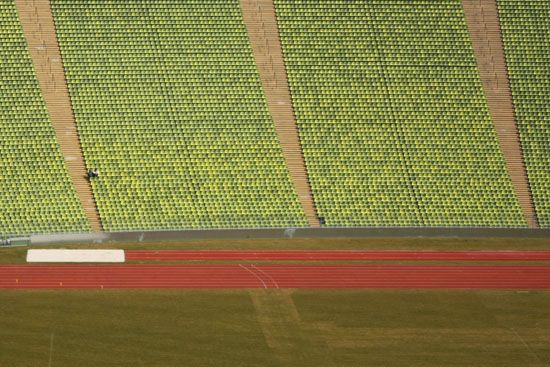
(341, 255)
(275, 276)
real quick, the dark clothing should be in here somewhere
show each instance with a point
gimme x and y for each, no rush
(93, 174)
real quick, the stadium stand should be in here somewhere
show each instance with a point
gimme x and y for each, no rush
(261, 23)
(393, 121)
(484, 28)
(39, 31)
(36, 194)
(526, 34)
(169, 107)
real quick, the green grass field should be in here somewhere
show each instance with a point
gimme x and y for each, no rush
(274, 328)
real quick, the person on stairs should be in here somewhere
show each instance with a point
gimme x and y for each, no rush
(93, 173)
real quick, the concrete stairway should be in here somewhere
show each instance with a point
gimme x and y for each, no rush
(484, 26)
(261, 22)
(39, 30)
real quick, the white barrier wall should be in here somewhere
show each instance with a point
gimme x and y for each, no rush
(75, 256)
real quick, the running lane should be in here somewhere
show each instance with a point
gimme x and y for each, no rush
(341, 255)
(275, 276)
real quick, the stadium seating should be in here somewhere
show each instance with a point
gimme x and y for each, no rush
(526, 34)
(170, 108)
(36, 194)
(391, 112)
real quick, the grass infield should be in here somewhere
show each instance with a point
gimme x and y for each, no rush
(274, 328)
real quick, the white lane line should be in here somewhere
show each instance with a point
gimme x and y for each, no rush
(255, 275)
(267, 275)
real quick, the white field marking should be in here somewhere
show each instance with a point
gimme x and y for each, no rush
(75, 256)
(526, 345)
(255, 275)
(51, 350)
(267, 275)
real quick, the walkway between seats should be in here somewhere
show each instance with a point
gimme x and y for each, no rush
(39, 29)
(261, 22)
(484, 26)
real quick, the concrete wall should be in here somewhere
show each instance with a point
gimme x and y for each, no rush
(220, 234)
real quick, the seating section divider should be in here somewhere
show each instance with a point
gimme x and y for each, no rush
(525, 26)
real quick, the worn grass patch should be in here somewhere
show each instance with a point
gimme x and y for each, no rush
(430, 328)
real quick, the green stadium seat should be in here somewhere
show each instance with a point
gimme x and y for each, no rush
(526, 34)
(169, 106)
(392, 117)
(36, 193)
